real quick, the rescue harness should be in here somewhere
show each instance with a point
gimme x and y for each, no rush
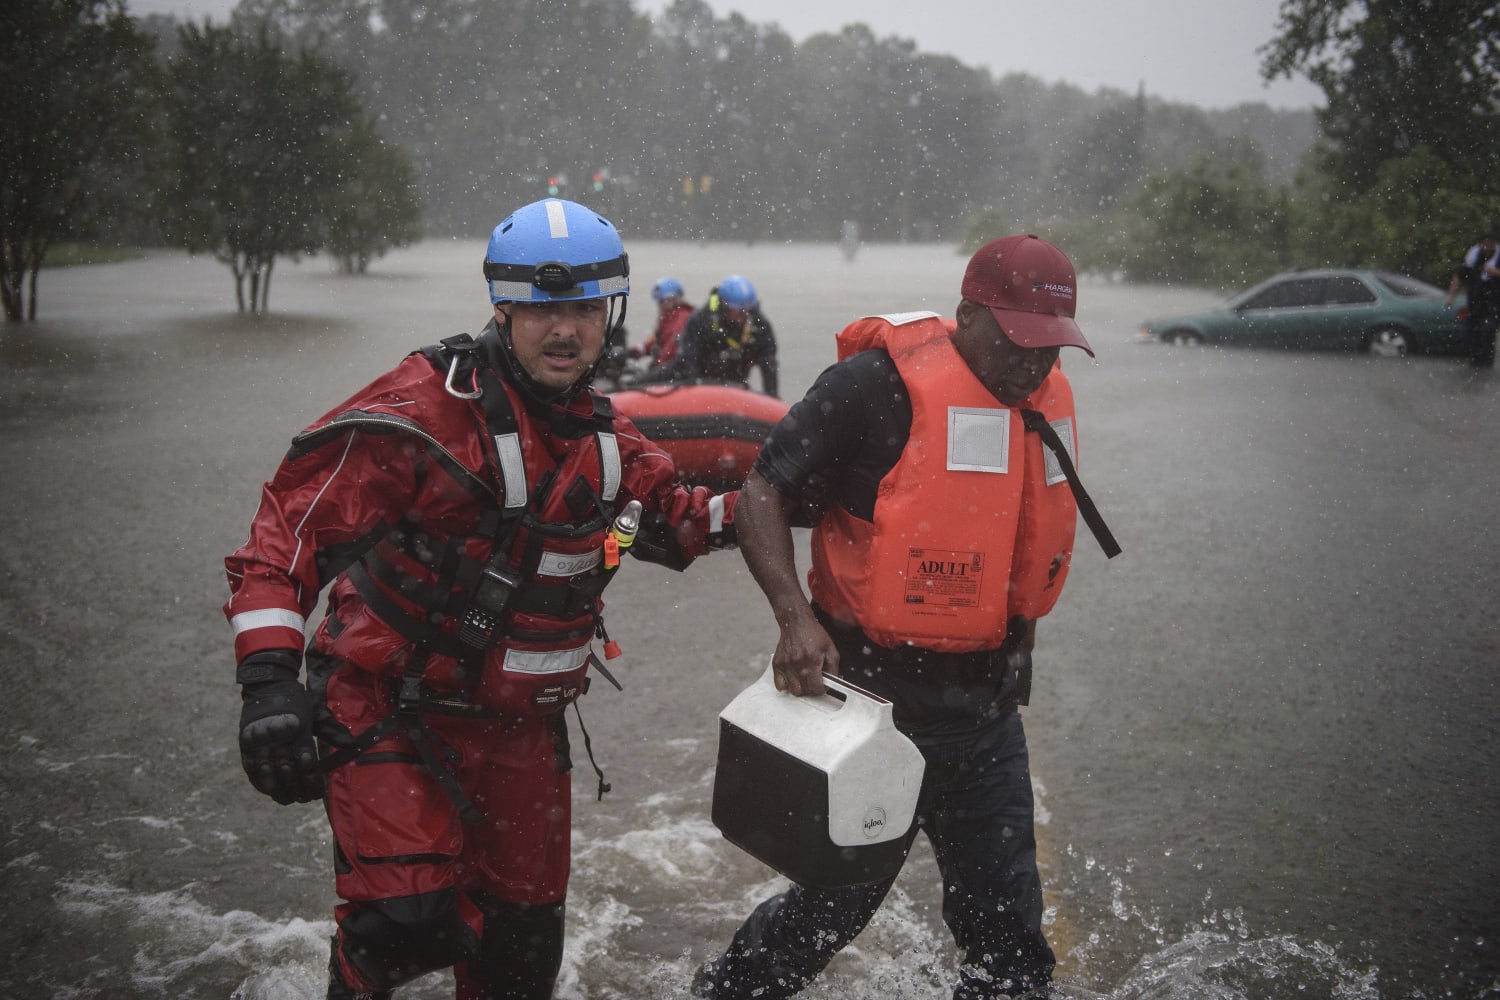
(480, 594)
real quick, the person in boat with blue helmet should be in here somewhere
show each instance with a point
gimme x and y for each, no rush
(464, 512)
(725, 339)
(672, 313)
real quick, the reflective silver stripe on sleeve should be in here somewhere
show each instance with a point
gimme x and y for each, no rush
(568, 563)
(716, 513)
(247, 621)
(609, 471)
(512, 468)
(555, 661)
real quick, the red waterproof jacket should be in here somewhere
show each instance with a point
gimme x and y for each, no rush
(400, 496)
(663, 343)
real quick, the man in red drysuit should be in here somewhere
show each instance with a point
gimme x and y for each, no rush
(464, 511)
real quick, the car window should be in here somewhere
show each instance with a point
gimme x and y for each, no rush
(1408, 288)
(1286, 294)
(1346, 290)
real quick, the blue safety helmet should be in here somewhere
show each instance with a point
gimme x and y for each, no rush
(555, 251)
(666, 288)
(736, 292)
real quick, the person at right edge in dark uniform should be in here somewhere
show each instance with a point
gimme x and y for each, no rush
(934, 465)
(1479, 275)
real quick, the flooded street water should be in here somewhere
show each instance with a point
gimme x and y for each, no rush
(1266, 738)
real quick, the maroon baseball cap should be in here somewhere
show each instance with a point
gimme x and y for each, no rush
(1031, 290)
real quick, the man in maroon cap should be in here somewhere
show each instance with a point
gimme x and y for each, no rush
(934, 463)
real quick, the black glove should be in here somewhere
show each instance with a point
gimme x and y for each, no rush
(276, 737)
(656, 542)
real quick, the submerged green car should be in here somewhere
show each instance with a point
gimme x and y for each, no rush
(1331, 310)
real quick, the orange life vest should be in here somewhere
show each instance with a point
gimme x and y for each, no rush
(974, 523)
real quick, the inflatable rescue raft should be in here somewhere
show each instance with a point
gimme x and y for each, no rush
(712, 431)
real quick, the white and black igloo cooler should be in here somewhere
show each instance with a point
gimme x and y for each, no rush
(822, 789)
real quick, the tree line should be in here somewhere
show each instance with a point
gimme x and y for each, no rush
(237, 144)
(307, 125)
(1399, 178)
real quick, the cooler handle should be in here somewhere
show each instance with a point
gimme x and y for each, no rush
(853, 697)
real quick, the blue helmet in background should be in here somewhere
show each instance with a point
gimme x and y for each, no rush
(666, 288)
(736, 292)
(555, 251)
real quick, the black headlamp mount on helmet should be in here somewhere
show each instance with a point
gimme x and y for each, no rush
(556, 277)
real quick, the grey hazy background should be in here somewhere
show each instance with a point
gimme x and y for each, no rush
(1203, 54)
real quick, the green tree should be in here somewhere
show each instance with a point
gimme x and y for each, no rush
(262, 142)
(491, 99)
(1411, 126)
(75, 95)
(1407, 219)
(1216, 223)
(1398, 75)
(377, 207)
(1101, 163)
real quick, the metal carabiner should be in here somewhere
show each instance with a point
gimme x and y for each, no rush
(451, 389)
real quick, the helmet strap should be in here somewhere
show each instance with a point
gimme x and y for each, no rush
(534, 390)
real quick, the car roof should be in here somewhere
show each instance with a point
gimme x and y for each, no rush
(1367, 273)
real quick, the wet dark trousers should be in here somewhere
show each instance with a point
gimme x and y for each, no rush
(1482, 338)
(976, 808)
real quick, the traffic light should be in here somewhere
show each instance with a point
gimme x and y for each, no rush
(554, 185)
(599, 180)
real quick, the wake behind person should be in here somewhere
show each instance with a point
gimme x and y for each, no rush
(465, 511)
(930, 437)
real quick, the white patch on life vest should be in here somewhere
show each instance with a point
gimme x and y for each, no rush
(716, 513)
(1064, 428)
(978, 439)
(609, 466)
(568, 563)
(901, 319)
(551, 661)
(512, 468)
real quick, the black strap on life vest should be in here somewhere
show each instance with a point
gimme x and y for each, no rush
(1037, 421)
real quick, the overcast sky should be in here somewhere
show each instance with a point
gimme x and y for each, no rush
(1200, 52)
